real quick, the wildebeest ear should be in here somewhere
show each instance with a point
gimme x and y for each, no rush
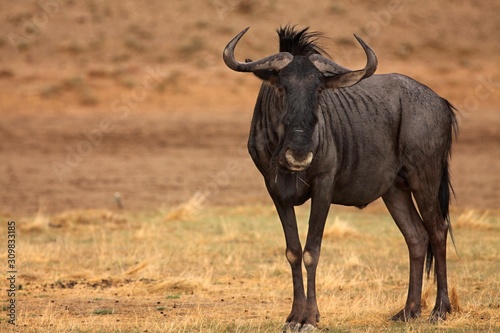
(266, 75)
(345, 79)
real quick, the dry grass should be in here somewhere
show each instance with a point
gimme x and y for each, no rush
(224, 270)
(471, 219)
(187, 210)
(340, 228)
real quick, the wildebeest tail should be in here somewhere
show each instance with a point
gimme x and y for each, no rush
(445, 191)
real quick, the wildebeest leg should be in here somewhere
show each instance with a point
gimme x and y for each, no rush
(319, 212)
(425, 191)
(400, 204)
(294, 257)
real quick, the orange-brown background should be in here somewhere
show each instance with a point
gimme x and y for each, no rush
(70, 70)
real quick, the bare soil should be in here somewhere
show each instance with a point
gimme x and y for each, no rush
(155, 159)
(97, 99)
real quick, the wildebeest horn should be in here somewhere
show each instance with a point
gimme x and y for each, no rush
(343, 77)
(274, 62)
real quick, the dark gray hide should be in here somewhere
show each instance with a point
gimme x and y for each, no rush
(332, 135)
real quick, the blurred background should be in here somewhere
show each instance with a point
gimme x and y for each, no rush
(125, 103)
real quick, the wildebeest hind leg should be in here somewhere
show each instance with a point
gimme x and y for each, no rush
(427, 199)
(399, 203)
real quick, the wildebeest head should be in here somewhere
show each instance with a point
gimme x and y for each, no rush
(299, 74)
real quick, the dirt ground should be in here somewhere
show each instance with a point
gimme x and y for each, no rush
(97, 99)
(156, 159)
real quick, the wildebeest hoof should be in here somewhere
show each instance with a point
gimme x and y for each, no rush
(307, 328)
(438, 315)
(291, 327)
(405, 315)
(436, 319)
(297, 327)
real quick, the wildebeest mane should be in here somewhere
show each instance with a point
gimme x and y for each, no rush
(299, 42)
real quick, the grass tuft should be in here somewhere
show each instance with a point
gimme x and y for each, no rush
(341, 229)
(39, 223)
(98, 217)
(455, 300)
(188, 210)
(103, 311)
(472, 220)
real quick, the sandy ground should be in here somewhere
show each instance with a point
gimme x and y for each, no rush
(98, 99)
(155, 159)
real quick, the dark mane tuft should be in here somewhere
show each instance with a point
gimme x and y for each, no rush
(299, 42)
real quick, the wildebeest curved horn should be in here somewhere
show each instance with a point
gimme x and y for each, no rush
(349, 77)
(274, 62)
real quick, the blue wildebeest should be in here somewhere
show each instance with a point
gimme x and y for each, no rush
(333, 135)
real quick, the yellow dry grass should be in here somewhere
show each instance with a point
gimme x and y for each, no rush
(224, 270)
(187, 210)
(340, 228)
(472, 219)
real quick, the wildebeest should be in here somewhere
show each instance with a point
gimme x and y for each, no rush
(333, 135)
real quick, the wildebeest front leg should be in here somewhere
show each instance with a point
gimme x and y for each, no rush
(319, 211)
(294, 257)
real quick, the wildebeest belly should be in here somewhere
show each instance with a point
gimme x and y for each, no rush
(361, 188)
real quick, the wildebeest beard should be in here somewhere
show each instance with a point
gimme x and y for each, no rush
(294, 184)
(297, 143)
